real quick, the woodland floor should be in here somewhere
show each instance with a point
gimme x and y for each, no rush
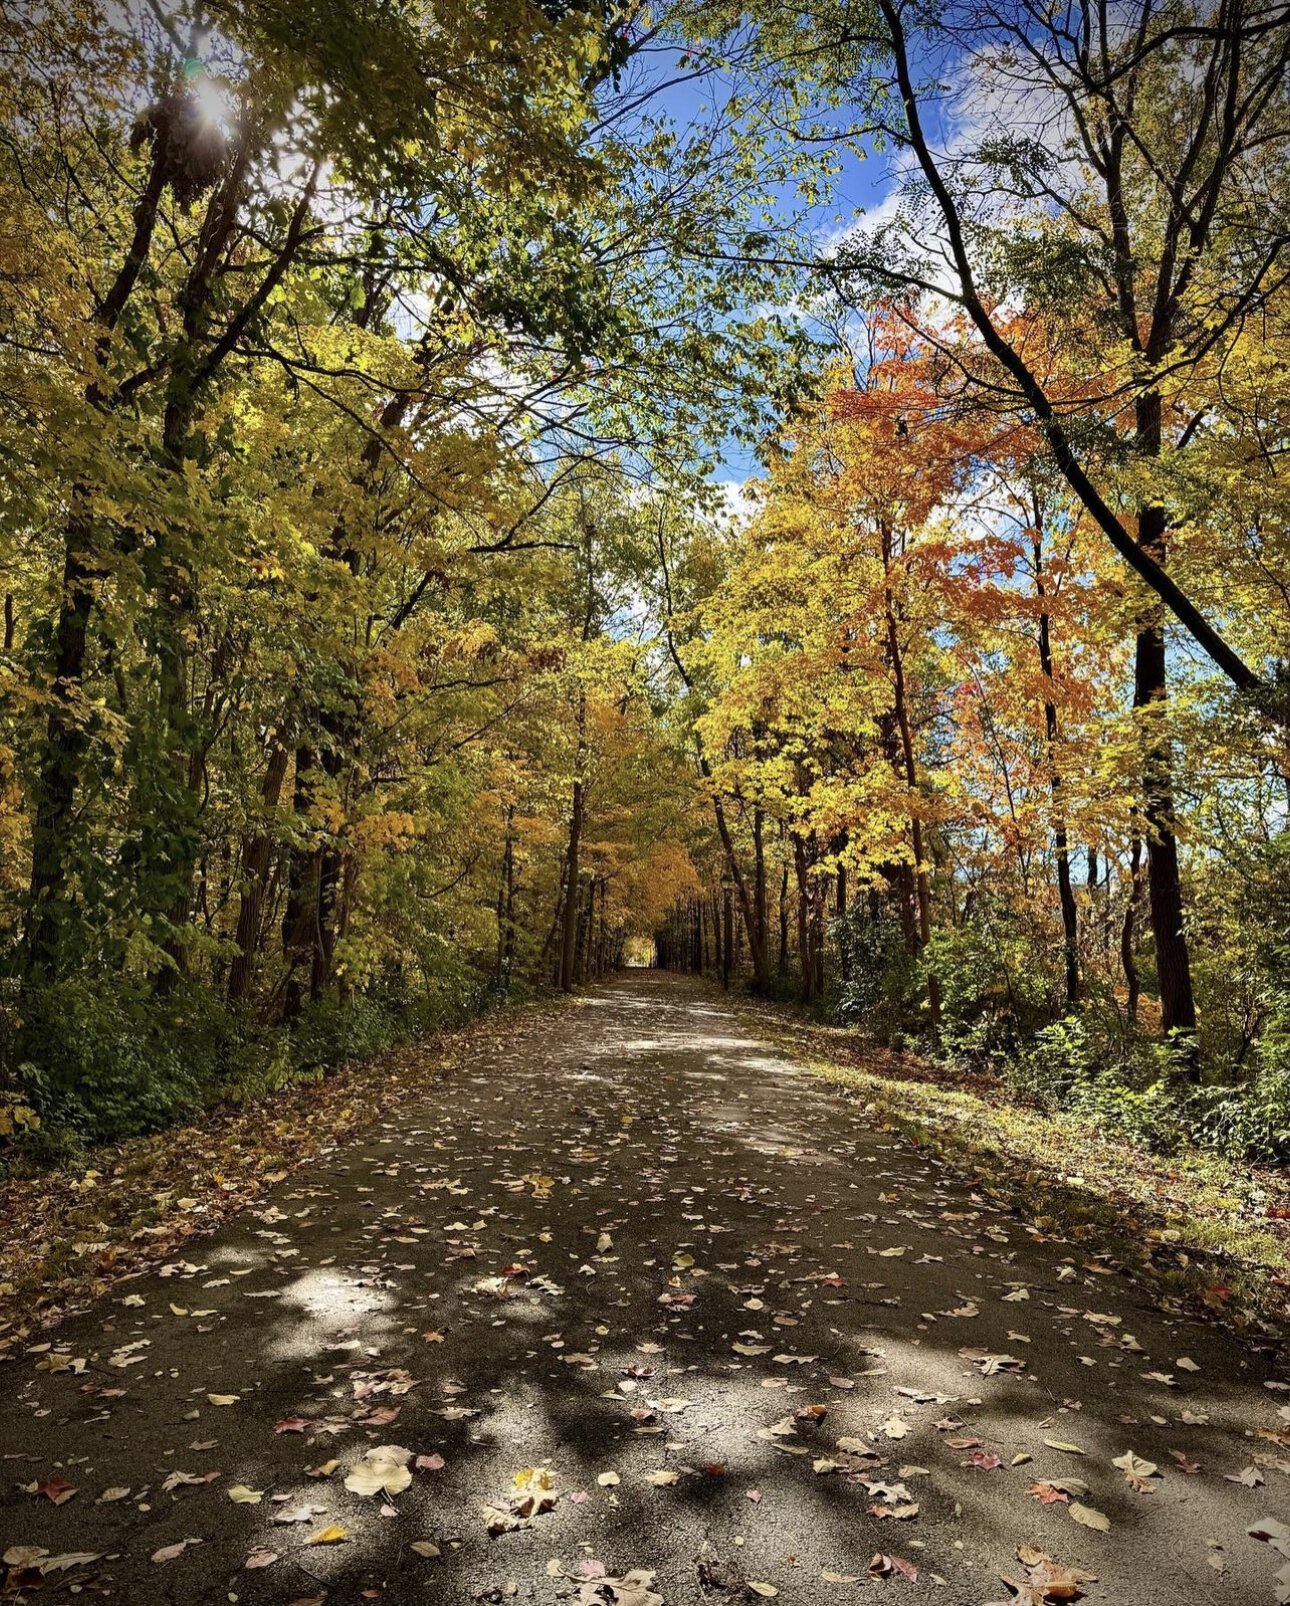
(762, 1344)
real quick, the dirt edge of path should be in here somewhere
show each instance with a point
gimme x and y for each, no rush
(1211, 1237)
(71, 1232)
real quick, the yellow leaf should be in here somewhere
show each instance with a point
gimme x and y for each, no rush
(332, 1534)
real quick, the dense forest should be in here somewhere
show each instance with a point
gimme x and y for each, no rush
(384, 634)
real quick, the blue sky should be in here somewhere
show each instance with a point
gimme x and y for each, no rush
(860, 185)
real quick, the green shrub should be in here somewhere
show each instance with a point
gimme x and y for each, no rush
(1251, 1119)
(884, 992)
(1060, 1057)
(1250, 1122)
(1154, 1117)
(1003, 1011)
(994, 996)
(101, 1062)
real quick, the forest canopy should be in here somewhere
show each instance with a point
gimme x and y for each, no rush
(482, 498)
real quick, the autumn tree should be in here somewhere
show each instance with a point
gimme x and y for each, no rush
(1114, 176)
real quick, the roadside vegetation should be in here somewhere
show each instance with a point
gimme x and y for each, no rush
(1206, 1229)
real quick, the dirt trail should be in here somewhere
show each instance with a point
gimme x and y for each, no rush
(645, 1251)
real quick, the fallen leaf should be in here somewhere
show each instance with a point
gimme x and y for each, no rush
(383, 1470)
(1133, 1466)
(1089, 1516)
(56, 1490)
(170, 1552)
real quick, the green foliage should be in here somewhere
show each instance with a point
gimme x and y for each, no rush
(401, 1004)
(1253, 1117)
(883, 995)
(361, 587)
(993, 995)
(1002, 1014)
(1250, 1122)
(1134, 1087)
(325, 407)
(101, 1061)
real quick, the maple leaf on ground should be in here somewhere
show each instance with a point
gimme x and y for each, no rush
(56, 1490)
(172, 1552)
(383, 1470)
(1046, 1580)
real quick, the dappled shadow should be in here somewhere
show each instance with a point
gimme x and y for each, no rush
(669, 1265)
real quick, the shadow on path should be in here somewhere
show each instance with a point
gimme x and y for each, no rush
(643, 1251)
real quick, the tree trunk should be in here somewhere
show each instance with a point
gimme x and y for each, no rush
(169, 847)
(549, 951)
(718, 949)
(569, 935)
(922, 885)
(586, 920)
(345, 903)
(506, 907)
(783, 921)
(300, 921)
(1065, 892)
(758, 933)
(817, 939)
(1131, 978)
(805, 961)
(59, 768)
(257, 860)
(840, 910)
(761, 970)
(1070, 915)
(65, 742)
(1164, 879)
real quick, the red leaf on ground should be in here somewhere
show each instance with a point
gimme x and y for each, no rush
(57, 1490)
